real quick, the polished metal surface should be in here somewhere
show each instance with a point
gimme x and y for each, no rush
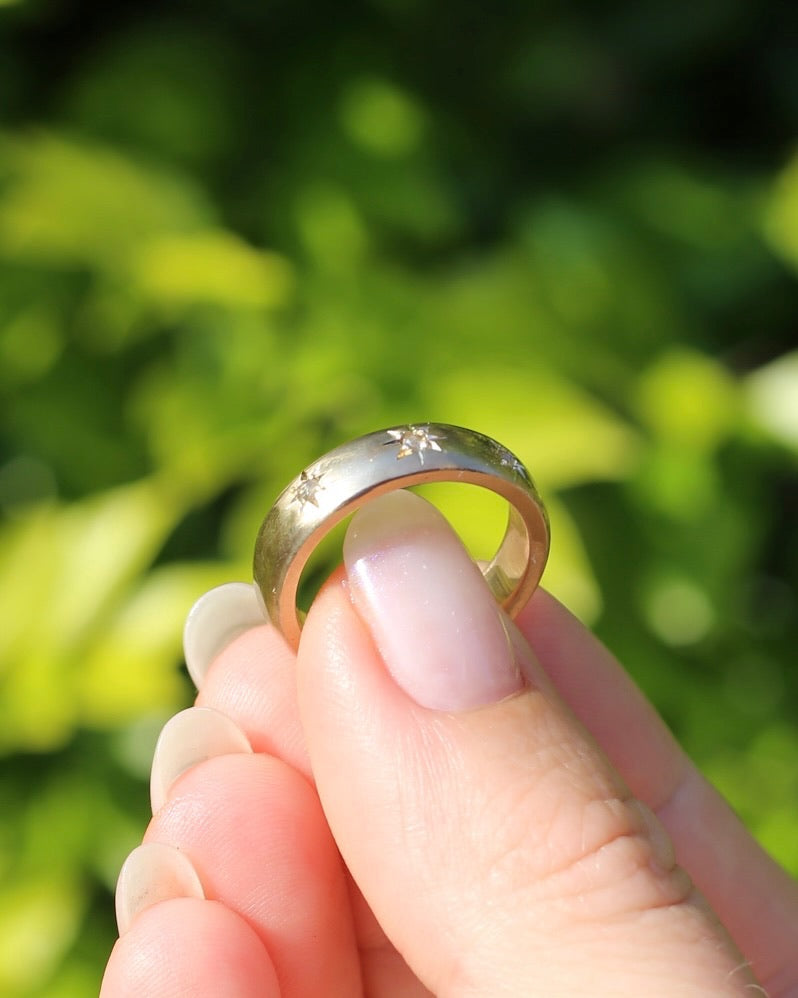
(335, 485)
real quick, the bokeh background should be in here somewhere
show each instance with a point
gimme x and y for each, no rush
(234, 235)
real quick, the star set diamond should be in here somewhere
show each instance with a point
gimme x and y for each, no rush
(508, 460)
(307, 488)
(414, 440)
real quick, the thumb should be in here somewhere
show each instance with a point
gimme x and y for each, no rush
(495, 844)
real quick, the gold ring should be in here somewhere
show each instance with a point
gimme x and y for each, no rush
(349, 476)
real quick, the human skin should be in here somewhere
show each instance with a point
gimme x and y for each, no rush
(426, 799)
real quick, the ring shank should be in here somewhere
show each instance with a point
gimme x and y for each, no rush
(351, 475)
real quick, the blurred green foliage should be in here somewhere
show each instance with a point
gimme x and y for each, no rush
(234, 236)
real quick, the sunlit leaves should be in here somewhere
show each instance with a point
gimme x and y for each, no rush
(210, 267)
(72, 202)
(772, 395)
(688, 400)
(781, 213)
(230, 241)
(38, 921)
(381, 118)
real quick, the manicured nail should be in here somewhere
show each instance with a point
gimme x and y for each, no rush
(433, 618)
(151, 873)
(216, 619)
(188, 738)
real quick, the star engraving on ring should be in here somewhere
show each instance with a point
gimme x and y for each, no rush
(307, 488)
(414, 440)
(508, 460)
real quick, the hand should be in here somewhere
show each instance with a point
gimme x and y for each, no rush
(436, 802)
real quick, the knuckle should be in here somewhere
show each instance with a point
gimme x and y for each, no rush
(580, 859)
(623, 865)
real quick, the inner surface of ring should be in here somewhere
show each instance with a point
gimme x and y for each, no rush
(487, 524)
(507, 568)
(505, 574)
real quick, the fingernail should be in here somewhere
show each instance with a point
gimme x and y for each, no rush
(430, 612)
(188, 738)
(151, 873)
(215, 620)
